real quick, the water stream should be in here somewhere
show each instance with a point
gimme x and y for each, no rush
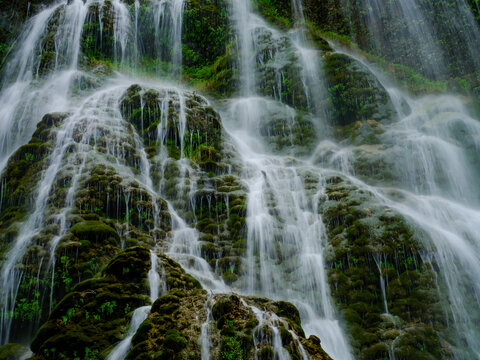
(432, 152)
(157, 288)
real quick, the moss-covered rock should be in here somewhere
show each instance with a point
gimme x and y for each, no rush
(370, 245)
(279, 12)
(183, 124)
(354, 93)
(105, 194)
(175, 326)
(93, 315)
(95, 231)
(24, 169)
(13, 352)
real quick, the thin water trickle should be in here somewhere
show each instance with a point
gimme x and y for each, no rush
(380, 261)
(157, 288)
(204, 340)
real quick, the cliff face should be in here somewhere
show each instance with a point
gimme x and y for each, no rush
(266, 174)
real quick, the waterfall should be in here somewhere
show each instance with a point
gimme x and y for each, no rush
(444, 204)
(204, 340)
(268, 330)
(19, 74)
(168, 17)
(278, 142)
(302, 279)
(84, 120)
(185, 249)
(426, 28)
(23, 103)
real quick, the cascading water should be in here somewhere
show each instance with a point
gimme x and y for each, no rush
(268, 331)
(85, 120)
(431, 154)
(435, 169)
(16, 119)
(168, 15)
(424, 28)
(204, 340)
(275, 185)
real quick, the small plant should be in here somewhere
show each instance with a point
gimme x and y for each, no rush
(27, 310)
(70, 314)
(89, 355)
(106, 309)
(232, 349)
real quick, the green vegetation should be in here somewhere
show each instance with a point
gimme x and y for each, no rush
(232, 349)
(412, 297)
(279, 12)
(102, 259)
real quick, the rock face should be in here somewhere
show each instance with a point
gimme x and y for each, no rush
(133, 167)
(183, 323)
(370, 247)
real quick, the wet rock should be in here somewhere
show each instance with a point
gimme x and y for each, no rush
(14, 352)
(368, 241)
(91, 318)
(174, 328)
(354, 93)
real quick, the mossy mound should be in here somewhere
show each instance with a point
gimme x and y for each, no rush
(13, 352)
(95, 231)
(354, 93)
(105, 194)
(181, 122)
(279, 70)
(219, 214)
(93, 315)
(24, 169)
(175, 326)
(368, 242)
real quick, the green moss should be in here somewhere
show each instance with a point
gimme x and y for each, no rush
(288, 310)
(365, 236)
(13, 351)
(92, 315)
(266, 353)
(174, 341)
(354, 94)
(232, 348)
(278, 12)
(403, 75)
(95, 231)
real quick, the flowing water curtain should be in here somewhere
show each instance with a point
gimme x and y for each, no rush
(21, 69)
(438, 170)
(168, 20)
(286, 241)
(296, 229)
(435, 38)
(51, 47)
